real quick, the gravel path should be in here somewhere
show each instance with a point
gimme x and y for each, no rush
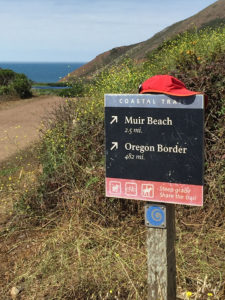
(20, 120)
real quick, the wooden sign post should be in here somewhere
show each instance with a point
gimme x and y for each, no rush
(154, 153)
(161, 253)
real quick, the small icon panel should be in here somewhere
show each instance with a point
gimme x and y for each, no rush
(115, 187)
(147, 190)
(131, 189)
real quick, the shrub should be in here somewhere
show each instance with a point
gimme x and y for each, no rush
(4, 90)
(14, 84)
(6, 76)
(76, 90)
(22, 86)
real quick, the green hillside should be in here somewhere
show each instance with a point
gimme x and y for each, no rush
(85, 246)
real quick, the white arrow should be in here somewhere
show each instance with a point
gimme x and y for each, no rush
(114, 145)
(114, 119)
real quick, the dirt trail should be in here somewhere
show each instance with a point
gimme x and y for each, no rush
(20, 120)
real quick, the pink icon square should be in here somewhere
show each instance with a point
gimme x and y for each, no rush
(115, 187)
(131, 189)
(147, 190)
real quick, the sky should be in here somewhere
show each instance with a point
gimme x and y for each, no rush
(79, 30)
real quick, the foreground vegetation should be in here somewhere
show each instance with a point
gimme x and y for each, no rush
(70, 242)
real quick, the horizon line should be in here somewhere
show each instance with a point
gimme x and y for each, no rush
(39, 62)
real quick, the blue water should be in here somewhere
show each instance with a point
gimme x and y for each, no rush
(47, 87)
(43, 72)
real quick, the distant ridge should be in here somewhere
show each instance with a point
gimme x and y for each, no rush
(210, 16)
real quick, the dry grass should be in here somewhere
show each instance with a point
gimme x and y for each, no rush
(79, 260)
(71, 258)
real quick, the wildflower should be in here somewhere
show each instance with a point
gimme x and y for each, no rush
(210, 294)
(188, 294)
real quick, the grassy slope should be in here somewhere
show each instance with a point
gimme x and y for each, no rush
(65, 240)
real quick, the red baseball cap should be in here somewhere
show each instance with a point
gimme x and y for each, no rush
(165, 84)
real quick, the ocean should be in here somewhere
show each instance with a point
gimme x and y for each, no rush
(43, 72)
